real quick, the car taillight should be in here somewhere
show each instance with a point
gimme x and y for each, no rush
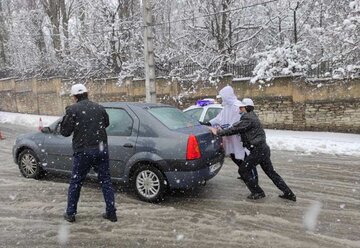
(193, 149)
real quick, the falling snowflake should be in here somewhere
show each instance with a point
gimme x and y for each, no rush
(179, 237)
(311, 216)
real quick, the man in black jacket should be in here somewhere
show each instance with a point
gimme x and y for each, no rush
(87, 121)
(254, 139)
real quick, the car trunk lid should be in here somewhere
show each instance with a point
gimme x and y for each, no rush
(210, 145)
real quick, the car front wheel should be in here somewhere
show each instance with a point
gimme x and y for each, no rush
(149, 183)
(29, 164)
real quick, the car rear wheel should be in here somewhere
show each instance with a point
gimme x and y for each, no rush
(149, 183)
(29, 164)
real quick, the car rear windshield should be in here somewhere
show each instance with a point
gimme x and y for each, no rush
(194, 113)
(173, 118)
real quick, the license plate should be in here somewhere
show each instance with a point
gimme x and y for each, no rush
(214, 167)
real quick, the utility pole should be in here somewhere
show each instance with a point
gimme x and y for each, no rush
(150, 87)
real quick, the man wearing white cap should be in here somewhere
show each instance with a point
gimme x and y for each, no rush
(87, 121)
(254, 139)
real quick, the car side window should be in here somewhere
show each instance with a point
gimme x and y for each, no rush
(194, 113)
(211, 113)
(121, 123)
(57, 127)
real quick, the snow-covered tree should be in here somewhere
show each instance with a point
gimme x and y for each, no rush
(202, 38)
(3, 35)
(285, 60)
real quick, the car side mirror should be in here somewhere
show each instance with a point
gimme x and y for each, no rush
(46, 130)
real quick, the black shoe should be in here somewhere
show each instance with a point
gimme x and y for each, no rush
(111, 217)
(256, 196)
(288, 196)
(69, 218)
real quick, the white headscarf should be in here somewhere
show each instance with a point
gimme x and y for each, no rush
(227, 95)
(227, 117)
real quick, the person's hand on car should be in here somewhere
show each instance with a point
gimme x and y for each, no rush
(213, 130)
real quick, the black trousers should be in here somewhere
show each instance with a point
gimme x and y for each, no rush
(261, 155)
(239, 163)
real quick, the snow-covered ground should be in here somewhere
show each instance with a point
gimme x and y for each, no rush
(325, 214)
(300, 141)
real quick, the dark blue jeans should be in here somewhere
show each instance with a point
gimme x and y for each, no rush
(82, 163)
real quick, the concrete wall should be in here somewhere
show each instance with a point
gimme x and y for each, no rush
(283, 103)
(293, 103)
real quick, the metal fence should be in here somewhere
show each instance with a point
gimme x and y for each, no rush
(244, 70)
(323, 69)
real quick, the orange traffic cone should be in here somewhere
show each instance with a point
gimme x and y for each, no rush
(1, 136)
(40, 124)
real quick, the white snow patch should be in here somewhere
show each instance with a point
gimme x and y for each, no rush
(314, 142)
(26, 119)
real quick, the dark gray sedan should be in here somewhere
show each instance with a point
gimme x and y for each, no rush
(152, 147)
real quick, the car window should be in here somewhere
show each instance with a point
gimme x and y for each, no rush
(211, 113)
(55, 126)
(121, 123)
(173, 118)
(194, 113)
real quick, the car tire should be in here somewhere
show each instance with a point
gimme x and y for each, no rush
(29, 165)
(149, 183)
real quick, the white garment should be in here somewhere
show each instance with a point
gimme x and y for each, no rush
(228, 116)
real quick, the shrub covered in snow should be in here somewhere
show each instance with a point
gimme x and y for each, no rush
(285, 60)
(355, 5)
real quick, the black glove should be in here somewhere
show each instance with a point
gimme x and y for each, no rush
(205, 123)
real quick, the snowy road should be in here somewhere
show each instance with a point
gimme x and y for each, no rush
(217, 215)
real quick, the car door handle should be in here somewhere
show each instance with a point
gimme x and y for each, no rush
(128, 145)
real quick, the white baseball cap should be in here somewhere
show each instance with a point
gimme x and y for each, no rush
(248, 102)
(239, 104)
(78, 89)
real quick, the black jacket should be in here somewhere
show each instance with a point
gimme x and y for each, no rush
(87, 120)
(250, 129)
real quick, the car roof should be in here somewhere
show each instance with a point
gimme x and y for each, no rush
(214, 105)
(137, 104)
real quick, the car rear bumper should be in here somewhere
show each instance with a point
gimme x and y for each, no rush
(189, 179)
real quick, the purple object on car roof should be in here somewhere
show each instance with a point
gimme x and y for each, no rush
(204, 102)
